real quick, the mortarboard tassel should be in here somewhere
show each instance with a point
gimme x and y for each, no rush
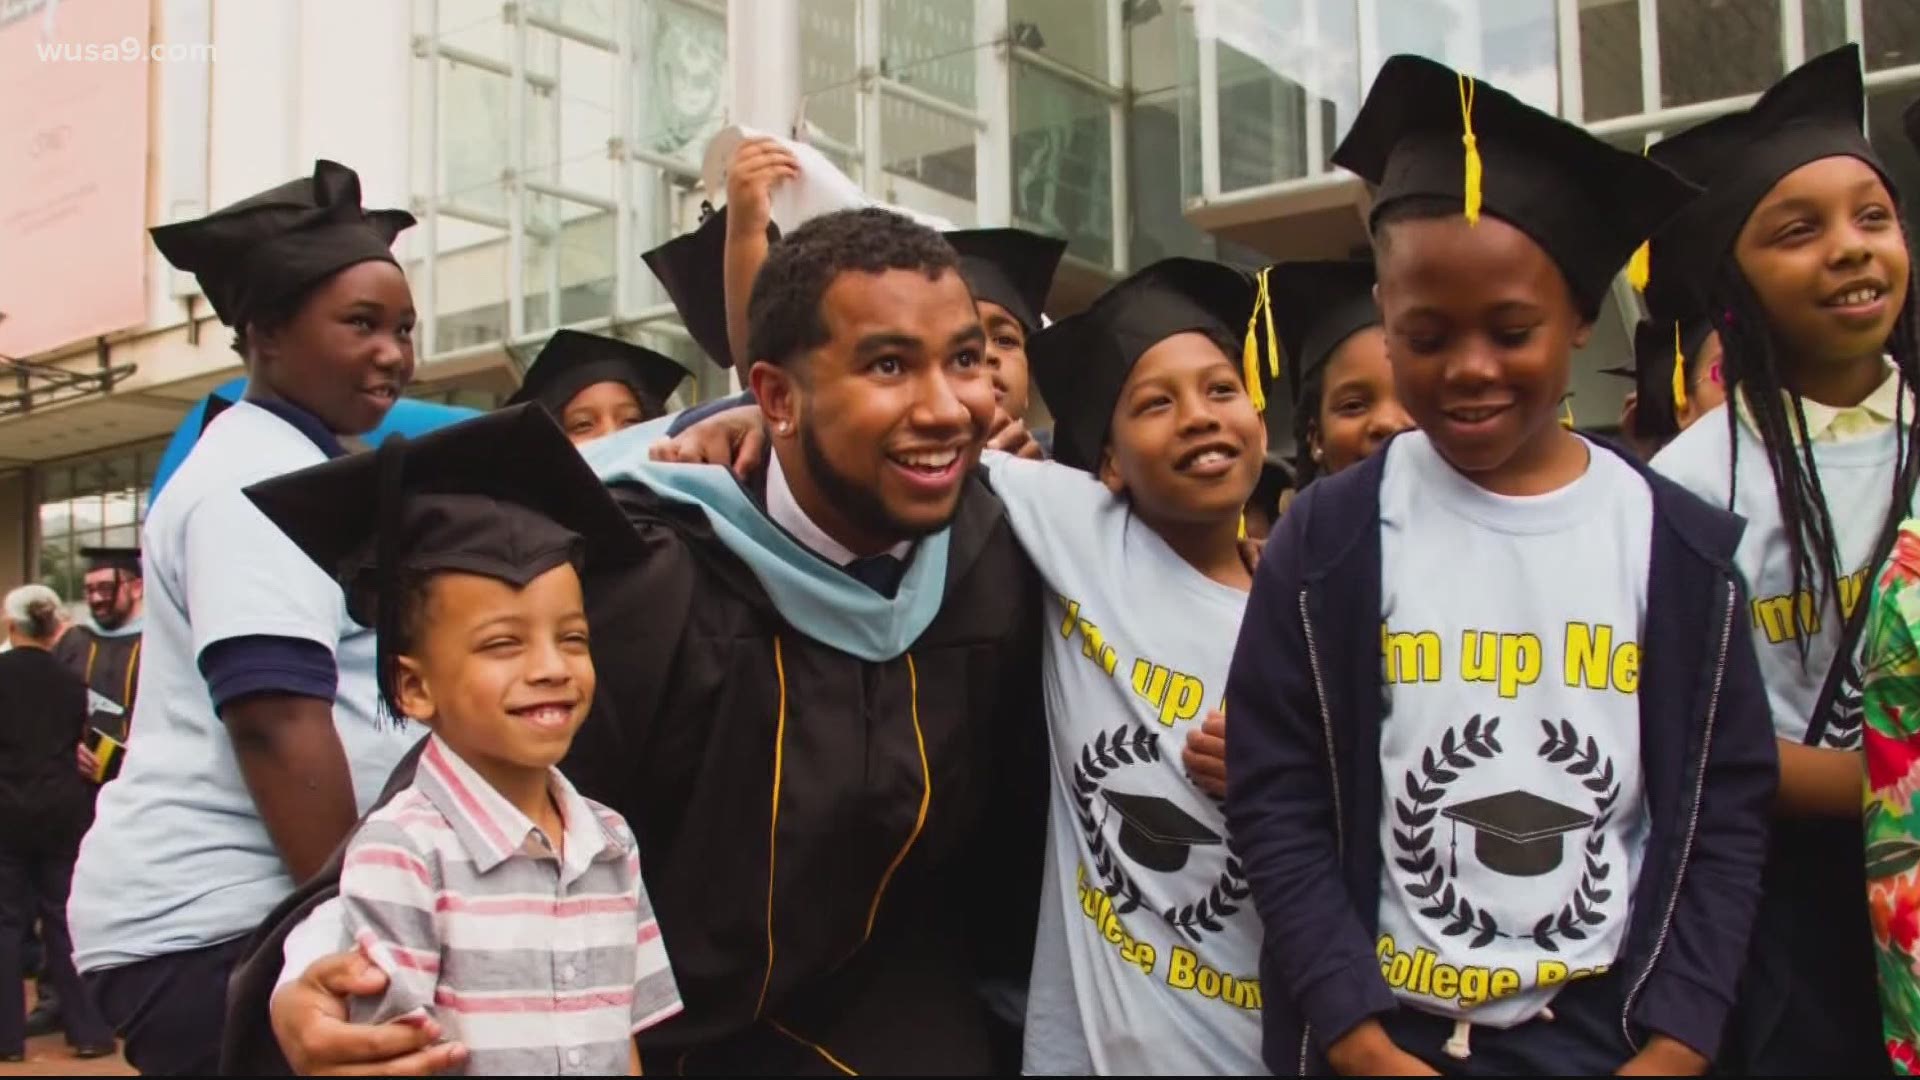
(1472, 193)
(1242, 535)
(1566, 420)
(1250, 354)
(1679, 372)
(1640, 267)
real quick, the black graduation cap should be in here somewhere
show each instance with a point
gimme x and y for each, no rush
(1517, 833)
(266, 248)
(124, 559)
(1426, 130)
(1155, 833)
(1817, 111)
(1663, 350)
(571, 361)
(1010, 267)
(1082, 362)
(504, 495)
(692, 268)
(1317, 306)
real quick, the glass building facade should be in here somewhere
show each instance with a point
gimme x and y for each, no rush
(558, 139)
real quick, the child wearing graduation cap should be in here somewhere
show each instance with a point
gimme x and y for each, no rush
(1498, 763)
(1344, 403)
(1797, 252)
(594, 386)
(260, 739)
(1676, 353)
(464, 549)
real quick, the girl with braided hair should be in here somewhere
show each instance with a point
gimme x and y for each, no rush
(1798, 255)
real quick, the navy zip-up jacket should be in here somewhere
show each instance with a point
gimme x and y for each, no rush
(1305, 702)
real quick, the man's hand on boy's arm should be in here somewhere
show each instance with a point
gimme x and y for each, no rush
(1818, 782)
(1663, 1056)
(1205, 756)
(1368, 1051)
(310, 1022)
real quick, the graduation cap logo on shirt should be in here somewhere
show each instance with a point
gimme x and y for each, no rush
(1157, 834)
(1517, 833)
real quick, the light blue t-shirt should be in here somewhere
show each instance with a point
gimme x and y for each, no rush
(1147, 956)
(178, 858)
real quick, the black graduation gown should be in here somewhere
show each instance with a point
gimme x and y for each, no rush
(852, 920)
(111, 668)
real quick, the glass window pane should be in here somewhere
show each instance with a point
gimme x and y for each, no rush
(1610, 59)
(833, 125)
(1074, 32)
(1515, 46)
(1063, 162)
(1892, 32)
(682, 55)
(1160, 226)
(1262, 135)
(568, 274)
(1712, 51)
(929, 158)
(1823, 25)
(928, 44)
(473, 137)
(829, 32)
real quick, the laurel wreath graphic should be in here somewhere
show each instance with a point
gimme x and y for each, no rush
(1130, 745)
(1477, 742)
(1564, 747)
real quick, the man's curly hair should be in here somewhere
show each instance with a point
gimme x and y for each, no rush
(783, 314)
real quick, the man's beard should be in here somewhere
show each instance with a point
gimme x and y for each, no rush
(110, 618)
(861, 507)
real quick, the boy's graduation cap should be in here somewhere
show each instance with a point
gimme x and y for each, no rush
(1427, 131)
(1817, 111)
(503, 495)
(1155, 833)
(1664, 352)
(692, 268)
(572, 361)
(1517, 833)
(123, 559)
(1082, 362)
(1010, 267)
(1318, 305)
(265, 249)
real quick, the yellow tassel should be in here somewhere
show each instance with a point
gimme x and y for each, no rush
(1243, 524)
(1679, 372)
(1250, 354)
(1640, 267)
(1273, 340)
(1467, 139)
(1566, 421)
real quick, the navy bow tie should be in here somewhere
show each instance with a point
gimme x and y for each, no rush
(881, 573)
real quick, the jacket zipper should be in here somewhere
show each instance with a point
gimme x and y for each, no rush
(1333, 772)
(1693, 822)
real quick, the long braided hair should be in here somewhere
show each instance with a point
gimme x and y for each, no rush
(1754, 369)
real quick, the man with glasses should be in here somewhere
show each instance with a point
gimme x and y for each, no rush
(105, 651)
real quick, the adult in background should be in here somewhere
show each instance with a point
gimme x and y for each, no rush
(105, 650)
(43, 811)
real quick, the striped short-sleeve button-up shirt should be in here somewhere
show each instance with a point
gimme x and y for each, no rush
(541, 959)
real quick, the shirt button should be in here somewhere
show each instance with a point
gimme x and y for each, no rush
(573, 1056)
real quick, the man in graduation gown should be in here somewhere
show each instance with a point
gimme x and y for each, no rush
(819, 706)
(105, 650)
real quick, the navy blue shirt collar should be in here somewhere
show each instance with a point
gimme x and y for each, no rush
(306, 423)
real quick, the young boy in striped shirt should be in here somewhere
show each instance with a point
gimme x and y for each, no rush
(499, 902)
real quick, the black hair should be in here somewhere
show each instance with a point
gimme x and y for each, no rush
(271, 317)
(1306, 420)
(783, 313)
(1753, 365)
